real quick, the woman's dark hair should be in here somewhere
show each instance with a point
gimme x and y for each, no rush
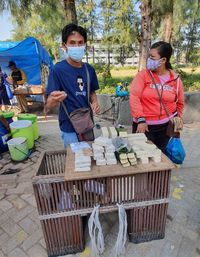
(164, 50)
(70, 28)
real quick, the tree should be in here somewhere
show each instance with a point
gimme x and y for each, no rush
(107, 13)
(193, 31)
(87, 17)
(123, 32)
(145, 33)
(163, 15)
(70, 11)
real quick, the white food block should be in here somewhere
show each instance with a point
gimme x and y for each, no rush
(83, 169)
(131, 155)
(126, 165)
(144, 160)
(97, 148)
(82, 165)
(82, 159)
(137, 136)
(110, 148)
(123, 134)
(111, 162)
(105, 132)
(98, 154)
(123, 156)
(79, 153)
(109, 155)
(124, 161)
(113, 132)
(100, 162)
(103, 141)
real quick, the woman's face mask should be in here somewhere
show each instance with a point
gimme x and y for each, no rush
(76, 53)
(153, 64)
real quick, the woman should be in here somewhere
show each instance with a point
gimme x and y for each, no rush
(156, 96)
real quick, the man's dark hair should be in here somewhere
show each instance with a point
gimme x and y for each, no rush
(70, 28)
(11, 63)
(164, 50)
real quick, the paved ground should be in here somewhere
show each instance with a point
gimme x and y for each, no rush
(20, 231)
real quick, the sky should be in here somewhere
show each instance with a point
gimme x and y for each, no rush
(6, 26)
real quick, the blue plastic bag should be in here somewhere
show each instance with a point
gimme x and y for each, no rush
(175, 150)
(8, 89)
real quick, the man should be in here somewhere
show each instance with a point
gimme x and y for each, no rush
(68, 81)
(16, 78)
(4, 100)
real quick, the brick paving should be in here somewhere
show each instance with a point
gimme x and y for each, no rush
(20, 230)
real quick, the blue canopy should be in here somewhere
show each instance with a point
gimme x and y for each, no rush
(28, 55)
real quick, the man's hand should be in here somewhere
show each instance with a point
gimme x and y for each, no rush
(58, 96)
(142, 128)
(95, 107)
(55, 98)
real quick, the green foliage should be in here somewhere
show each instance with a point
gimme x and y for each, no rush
(125, 68)
(39, 25)
(111, 83)
(191, 81)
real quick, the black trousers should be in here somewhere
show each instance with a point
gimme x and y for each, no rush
(156, 134)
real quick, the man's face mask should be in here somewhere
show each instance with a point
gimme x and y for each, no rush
(153, 64)
(76, 53)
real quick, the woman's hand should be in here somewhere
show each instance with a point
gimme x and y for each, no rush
(142, 128)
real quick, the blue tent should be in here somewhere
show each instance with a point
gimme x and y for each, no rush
(28, 56)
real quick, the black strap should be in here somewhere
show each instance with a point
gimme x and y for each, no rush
(88, 91)
(160, 97)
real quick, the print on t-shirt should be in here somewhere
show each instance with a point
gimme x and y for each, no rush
(80, 83)
(81, 86)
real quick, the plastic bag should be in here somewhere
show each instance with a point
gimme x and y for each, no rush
(121, 145)
(8, 89)
(175, 150)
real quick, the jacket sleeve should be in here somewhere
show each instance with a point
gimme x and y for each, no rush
(180, 98)
(137, 87)
(21, 82)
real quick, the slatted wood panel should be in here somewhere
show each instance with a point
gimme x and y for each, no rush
(63, 235)
(147, 223)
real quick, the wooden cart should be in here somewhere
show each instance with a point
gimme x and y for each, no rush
(64, 197)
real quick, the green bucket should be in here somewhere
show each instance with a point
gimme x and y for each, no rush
(23, 128)
(33, 119)
(7, 115)
(18, 148)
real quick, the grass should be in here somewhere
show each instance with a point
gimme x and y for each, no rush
(190, 77)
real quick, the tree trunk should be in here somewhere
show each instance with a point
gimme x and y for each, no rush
(167, 27)
(70, 11)
(145, 41)
(93, 54)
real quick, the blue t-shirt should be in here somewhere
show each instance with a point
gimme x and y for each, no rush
(73, 81)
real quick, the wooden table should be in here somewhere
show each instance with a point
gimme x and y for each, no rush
(30, 90)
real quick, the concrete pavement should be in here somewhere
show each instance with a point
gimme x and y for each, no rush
(20, 230)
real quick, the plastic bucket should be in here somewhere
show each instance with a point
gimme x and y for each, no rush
(23, 128)
(4, 133)
(18, 148)
(33, 119)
